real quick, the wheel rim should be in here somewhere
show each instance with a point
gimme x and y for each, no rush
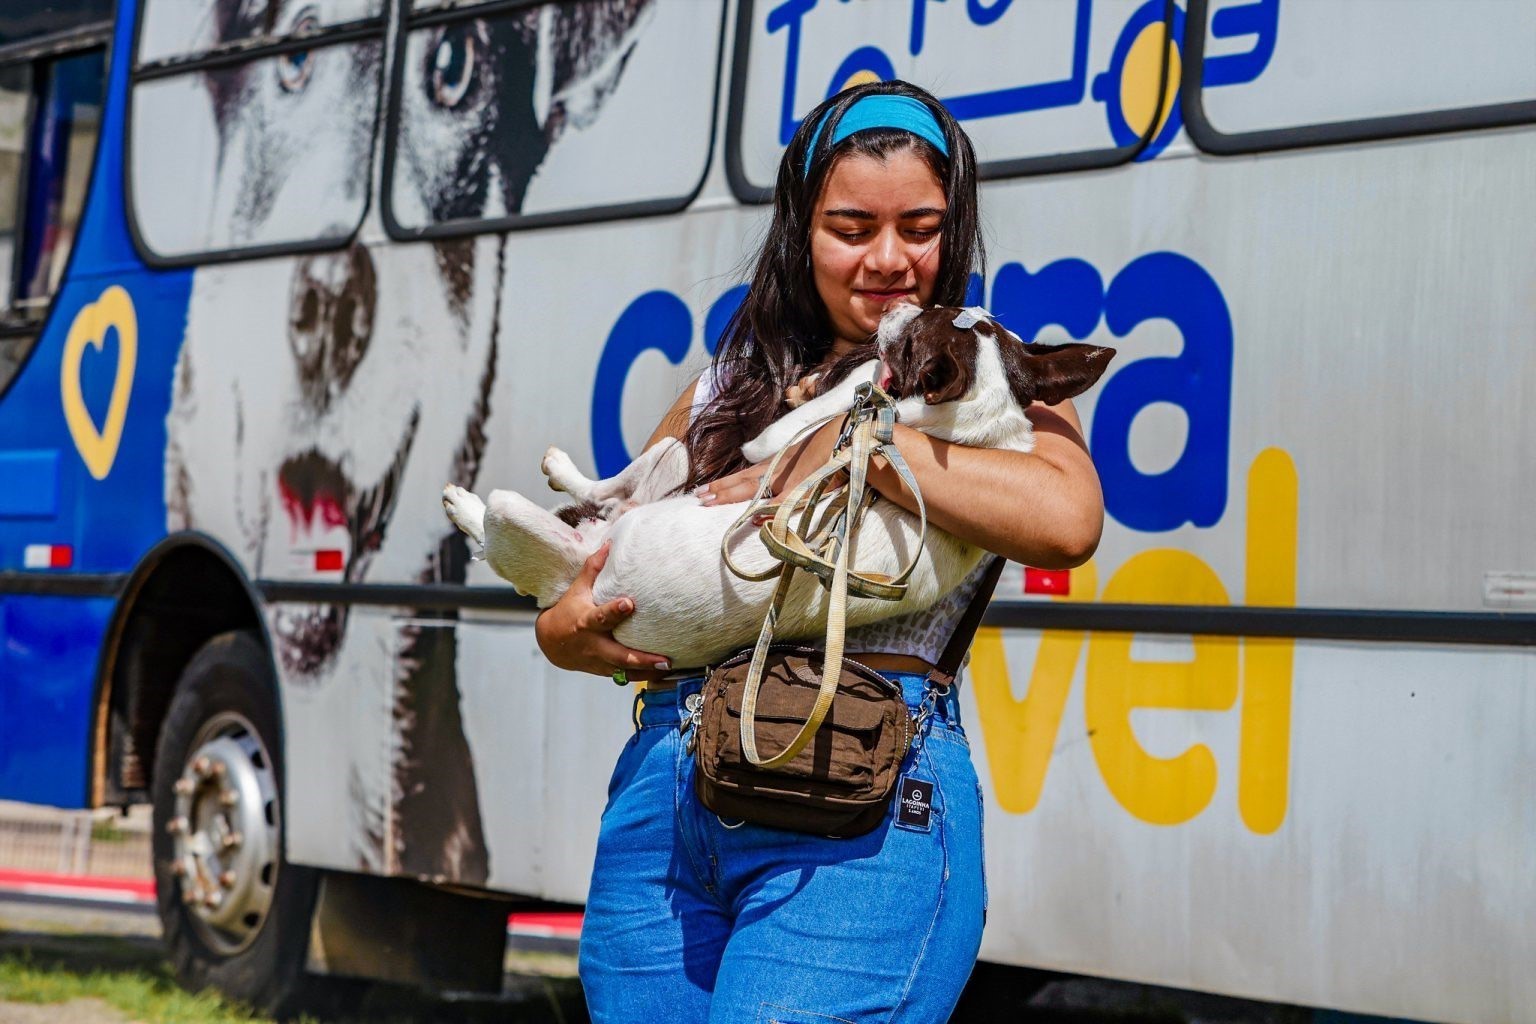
(224, 833)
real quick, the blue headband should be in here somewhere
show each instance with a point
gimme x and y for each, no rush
(883, 110)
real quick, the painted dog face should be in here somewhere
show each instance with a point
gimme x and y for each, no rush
(483, 100)
(273, 179)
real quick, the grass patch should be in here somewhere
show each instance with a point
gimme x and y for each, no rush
(121, 973)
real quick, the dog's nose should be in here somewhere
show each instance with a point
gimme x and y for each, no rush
(330, 321)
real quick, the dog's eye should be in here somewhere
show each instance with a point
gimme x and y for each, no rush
(453, 65)
(294, 69)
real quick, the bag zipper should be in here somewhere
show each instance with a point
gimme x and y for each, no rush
(745, 656)
(695, 701)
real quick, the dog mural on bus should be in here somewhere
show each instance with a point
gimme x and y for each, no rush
(313, 392)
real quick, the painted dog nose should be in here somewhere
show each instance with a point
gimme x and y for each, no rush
(330, 321)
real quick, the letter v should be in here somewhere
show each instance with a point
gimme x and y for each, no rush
(1020, 735)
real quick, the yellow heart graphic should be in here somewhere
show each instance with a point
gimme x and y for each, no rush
(98, 449)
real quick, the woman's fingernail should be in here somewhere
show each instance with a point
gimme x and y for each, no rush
(707, 499)
(701, 490)
(662, 666)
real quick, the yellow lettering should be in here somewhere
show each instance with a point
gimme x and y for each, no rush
(1265, 740)
(1162, 791)
(1021, 734)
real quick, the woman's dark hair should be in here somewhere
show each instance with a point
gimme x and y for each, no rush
(781, 329)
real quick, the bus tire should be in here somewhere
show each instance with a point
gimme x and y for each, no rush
(235, 917)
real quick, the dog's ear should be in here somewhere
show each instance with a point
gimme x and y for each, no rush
(1051, 373)
(945, 376)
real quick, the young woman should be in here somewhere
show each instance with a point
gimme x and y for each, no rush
(695, 918)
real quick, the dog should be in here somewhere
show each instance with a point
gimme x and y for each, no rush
(311, 392)
(957, 375)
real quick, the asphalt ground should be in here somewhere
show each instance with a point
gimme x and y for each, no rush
(82, 936)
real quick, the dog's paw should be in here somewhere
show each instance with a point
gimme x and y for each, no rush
(561, 471)
(466, 511)
(760, 449)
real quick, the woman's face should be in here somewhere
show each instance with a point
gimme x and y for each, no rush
(875, 239)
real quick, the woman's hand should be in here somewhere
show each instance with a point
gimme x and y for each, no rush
(807, 456)
(577, 634)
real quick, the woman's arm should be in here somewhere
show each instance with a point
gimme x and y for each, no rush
(1043, 508)
(577, 634)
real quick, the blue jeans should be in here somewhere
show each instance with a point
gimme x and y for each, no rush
(690, 918)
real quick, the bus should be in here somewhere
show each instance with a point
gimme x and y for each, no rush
(275, 272)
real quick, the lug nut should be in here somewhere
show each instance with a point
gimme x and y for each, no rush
(184, 786)
(178, 869)
(176, 826)
(213, 900)
(202, 766)
(229, 798)
(233, 840)
(227, 879)
(220, 769)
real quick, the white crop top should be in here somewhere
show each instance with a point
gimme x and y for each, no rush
(922, 634)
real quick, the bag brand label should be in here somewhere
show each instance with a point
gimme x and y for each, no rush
(914, 803)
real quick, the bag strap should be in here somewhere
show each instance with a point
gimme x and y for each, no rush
(827, 552)
(965, 630)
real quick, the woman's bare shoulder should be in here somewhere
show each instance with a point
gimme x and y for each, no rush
(674, 422)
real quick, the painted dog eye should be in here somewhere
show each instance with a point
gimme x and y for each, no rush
(294, 69)
(454, 62)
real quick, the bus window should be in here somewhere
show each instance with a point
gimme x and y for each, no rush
(1278, 74)
(268, 151)
(179, 30)
(15, 91)
(1083, 86)
(66, 122)
(22, 23)
(50, 118)
(550, 113)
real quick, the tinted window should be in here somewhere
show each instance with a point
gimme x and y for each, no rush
(22, 21)
(50, 119)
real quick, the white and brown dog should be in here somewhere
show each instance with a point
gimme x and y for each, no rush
(958, 375)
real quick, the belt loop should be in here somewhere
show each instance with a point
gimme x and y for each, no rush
(638, 706)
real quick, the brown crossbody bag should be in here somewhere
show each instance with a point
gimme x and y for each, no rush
(841, 730)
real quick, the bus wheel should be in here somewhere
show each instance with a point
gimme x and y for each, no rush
(234, 916)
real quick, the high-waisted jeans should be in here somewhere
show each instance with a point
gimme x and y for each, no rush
(691, 918)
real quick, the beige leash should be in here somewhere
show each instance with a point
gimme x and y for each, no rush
(823, 546)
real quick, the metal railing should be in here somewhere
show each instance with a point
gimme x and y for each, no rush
(102, 843)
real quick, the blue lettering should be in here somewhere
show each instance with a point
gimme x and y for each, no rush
(656, 320)
(1168, 286)
(719, 316)
(1067, 292)
(1261, 20)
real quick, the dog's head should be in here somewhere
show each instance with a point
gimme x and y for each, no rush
(939, 353)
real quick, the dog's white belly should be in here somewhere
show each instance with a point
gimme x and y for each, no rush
(693, 610)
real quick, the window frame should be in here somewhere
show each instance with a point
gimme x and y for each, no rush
(31, 323)
(242, 52)
(994, 170)
(1209, 139)
(405, 24)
